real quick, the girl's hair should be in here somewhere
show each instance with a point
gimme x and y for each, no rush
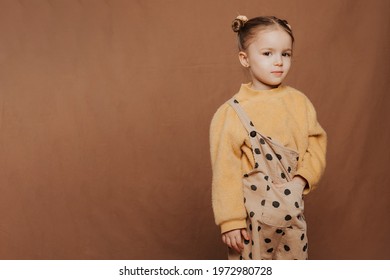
(246, 29)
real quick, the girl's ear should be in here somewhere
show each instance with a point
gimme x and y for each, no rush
(243, 57)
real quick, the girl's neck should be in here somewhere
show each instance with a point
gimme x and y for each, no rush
(260, 86)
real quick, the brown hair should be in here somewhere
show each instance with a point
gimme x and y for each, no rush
(246, 28)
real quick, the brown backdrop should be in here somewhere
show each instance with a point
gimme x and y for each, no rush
(104, 115)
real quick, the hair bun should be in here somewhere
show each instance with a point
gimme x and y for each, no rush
(239, 22)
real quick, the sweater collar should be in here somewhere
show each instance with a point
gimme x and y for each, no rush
(247, 92)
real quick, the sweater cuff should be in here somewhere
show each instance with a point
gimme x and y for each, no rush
(307, 175)
(230, 225)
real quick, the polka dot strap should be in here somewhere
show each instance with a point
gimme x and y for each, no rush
(249, 126)
(242, 115)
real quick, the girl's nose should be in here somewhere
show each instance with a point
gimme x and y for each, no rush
(278, 61)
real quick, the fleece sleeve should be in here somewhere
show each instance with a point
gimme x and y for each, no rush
(226, 139)
(312, 165)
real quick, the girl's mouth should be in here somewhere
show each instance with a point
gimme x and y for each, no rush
(277, 73)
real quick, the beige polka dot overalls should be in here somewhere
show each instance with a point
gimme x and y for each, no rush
(273, 202)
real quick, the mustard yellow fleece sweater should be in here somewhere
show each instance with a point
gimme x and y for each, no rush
(284, 114)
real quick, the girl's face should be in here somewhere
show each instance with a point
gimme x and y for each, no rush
(268, 57)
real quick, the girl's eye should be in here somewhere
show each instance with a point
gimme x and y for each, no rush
(267, 53)
(286, 54)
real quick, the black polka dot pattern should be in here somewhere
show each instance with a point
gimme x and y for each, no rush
(271, 202)
(275, 204)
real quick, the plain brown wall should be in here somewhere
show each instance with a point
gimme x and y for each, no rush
(105, 110)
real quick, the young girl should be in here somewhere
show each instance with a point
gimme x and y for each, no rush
(267, 150)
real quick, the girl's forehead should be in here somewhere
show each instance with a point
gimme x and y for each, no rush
(274, 37)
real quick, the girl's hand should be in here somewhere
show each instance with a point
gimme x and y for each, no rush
(234, 240)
